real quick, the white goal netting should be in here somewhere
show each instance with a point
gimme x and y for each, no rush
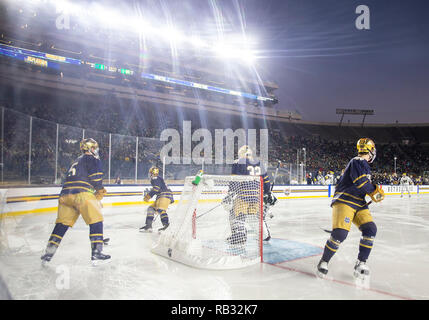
(217, 224)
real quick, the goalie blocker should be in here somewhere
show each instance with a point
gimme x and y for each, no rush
(202, 228)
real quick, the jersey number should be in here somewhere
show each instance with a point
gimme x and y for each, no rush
(72, 170)
(254, 171)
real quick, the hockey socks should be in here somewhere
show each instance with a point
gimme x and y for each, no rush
(333, 243)
(369, 231)
(54, 241)
(164, 217)
(96, 238)
(96, 233)
(150, 214)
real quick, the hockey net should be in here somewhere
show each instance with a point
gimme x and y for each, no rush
(217, 224)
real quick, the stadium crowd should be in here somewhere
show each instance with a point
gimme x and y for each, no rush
(322, 157)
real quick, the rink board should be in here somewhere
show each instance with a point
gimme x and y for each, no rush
(36, 200)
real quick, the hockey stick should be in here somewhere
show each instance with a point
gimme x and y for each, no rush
(266, 208)
(330, 231)
(275, 175)
(272, 186)
(203, 214)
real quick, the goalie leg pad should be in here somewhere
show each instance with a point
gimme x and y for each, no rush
(238, 229)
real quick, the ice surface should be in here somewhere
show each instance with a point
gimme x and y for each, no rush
(399, 260)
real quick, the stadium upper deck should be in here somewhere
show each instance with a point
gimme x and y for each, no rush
(95, 60)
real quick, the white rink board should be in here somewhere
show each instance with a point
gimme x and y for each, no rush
(27, 200)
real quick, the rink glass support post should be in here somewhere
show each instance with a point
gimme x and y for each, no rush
(2, 144)
(137, 158)
(329, 190)
(110, 154)
(261, 215)
(29, 150)
(56, 154)
(163, 168)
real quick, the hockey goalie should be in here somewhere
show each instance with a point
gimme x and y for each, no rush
(241, 202)
(225, 235)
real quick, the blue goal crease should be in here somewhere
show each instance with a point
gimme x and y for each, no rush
(275, 251)
(281, 250)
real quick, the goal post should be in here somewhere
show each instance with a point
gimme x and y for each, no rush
(217, 224)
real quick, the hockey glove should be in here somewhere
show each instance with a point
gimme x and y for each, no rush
(146, 197)
(378, 194)
(269, 199)
(99, 194)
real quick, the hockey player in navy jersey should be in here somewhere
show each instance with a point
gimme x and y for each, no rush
(349, 206)
(244, 199)
(164, 197)
(81, 194)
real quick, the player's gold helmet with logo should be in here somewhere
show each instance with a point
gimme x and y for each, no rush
(366, 145)
(91, 146)
(153, 172)
(245, 152)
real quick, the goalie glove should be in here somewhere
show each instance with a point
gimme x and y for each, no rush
(269, 199)
(378, 194)
(99, 194)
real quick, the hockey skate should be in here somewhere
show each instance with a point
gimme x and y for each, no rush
(361, 274)
(361, 270)
(97, 257)
(146, 229)
(49, 253)
(165, 226)
(322, 269)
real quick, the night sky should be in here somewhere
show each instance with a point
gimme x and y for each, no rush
(321, 61)
(314, 52)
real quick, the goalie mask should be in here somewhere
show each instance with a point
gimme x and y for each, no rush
(245, 152)
(366, 145)
(153, 172)
(91, 146)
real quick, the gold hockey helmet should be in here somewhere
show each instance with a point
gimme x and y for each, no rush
(91, 146)
(245, 152)
(153, 172)
(366, 145)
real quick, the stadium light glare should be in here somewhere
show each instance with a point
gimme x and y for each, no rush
(227, 52)
(67, 7)
(171, 34)
(197, 42)
(231, 47)
(248, 56)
